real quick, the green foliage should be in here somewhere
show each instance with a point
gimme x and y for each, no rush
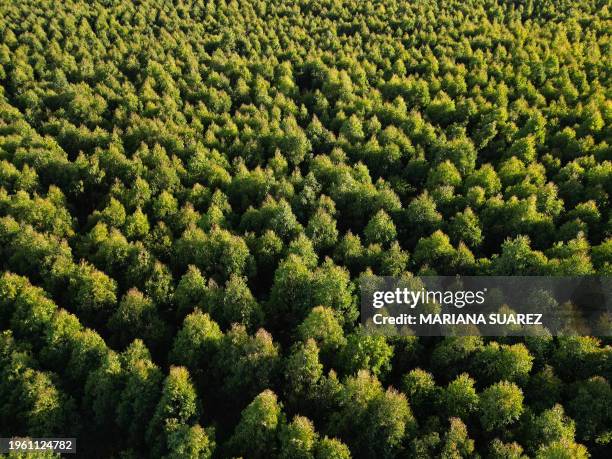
(420, 388)
(460, 398)
(140, 392)
(203, 184)
(549, 427)
(296, 289)
(454, 353)
(373, 421)
(196, 343)
(457, 444)
(322, 325)
(331, 448)
(190, 442)
(322, 230)
(91, 291)
(422, 216)
(236, 304)
(136, 316)
(366, 351)
(562, 450)
(544, 388)
(590, 407)
(39, 407)
(298, 439)
(219, 253)
(192, 291)
(465, 227)
(501, 450)
(246, 364)
(302, 372)
(500, 404)
(380, 229)
(496, 362)
(177, 407)
(255, 434)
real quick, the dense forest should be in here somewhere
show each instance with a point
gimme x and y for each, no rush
(190, 192)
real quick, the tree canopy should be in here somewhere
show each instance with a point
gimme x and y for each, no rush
(191, 190)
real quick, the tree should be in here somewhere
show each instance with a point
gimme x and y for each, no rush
(390, 420)
(137, 400)
(322, 230)
(272, 215)
(548, 427)
(136, 316)
(524, 149)
(302, 373)
(189, 442)
(571, 258)
(293, 141)
(352, 129)
(177, 406)
(454, 352)
(290, 293)
(517, 258)
(485, 177)
(196, 343)
(366, 351)
(296, 290)
(101, 391)
(394, 261)
(331, 286)
(382, 418)
(331, 448)
(465, 227)
(578, 357)
(420, 388)
(297, 439)
(267, 252)
(27, 309)
(380, 229)
(443, 174)
(421, 216)
(461, 152)
(322, 325)
(113, 214)
(460, 398)
(236, 304)
(192, 291)
(40, 407)
(496, 362)
(436, 252)
(91, 292)
(501, 450)
(219, 254)
(349, 252)
(302, 247)
(457, 444)
(563, 450)
(500, 405)
(544, 389)
(589, 406)
(137, 225)
(255, 434)
(246, 364)
(73, 350)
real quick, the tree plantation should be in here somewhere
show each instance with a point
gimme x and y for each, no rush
(190, 191)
